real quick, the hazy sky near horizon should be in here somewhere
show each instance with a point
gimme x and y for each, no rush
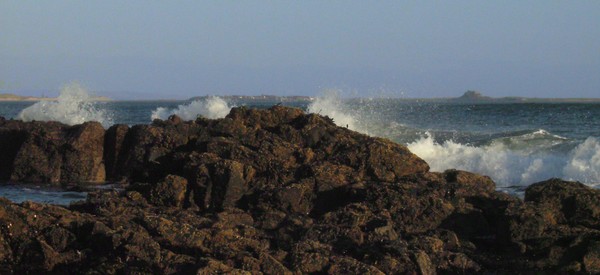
(179, 49)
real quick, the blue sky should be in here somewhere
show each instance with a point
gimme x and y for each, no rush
(179, 49)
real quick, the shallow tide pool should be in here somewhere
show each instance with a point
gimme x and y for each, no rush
(42, 194)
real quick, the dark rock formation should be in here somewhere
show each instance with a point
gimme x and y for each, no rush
(51, 152)
(280, 192)
(12, 136)
(472, 96)
(113, 148)
(83, 154)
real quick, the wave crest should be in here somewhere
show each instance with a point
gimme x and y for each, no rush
(513, 167)
(584, 162)
(211, 107)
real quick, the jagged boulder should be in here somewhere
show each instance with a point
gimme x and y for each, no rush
(83, 154)
(567, 202)
(51, 152)
(39, 157)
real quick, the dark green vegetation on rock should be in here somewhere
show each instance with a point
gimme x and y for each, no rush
(276, 191)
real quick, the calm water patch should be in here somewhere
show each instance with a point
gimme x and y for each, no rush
(38, 193)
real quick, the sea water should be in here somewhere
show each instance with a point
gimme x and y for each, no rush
(516, 144)
(40, 193)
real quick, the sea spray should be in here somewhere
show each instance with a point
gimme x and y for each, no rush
(211, 107)
(510, 166)
(366, 115)
(515, 158)
(515, 144)
(74, 105)
(330, 104)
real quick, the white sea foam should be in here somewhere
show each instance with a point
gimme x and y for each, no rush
(210, 107)
(74, 105)
(513, 167)
(583, 163)
(330, 104)
(515, 160)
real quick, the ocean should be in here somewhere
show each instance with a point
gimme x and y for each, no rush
(516, 144)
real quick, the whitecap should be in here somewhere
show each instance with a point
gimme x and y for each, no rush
(211, 107)
(508, 166)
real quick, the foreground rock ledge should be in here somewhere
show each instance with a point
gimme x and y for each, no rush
(279, 192)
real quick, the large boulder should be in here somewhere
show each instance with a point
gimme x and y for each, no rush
(83, 154)
(554, 228)
(39, 157)
(138, 151)
(567, 202)
(388, 161)
(229, 184)
(51, 152)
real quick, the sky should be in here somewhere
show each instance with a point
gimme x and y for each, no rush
(180, 49)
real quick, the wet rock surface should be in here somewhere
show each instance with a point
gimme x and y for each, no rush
(276, 192)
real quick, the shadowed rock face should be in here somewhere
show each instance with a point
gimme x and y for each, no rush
(280, 192)
(113, 146)
(241, 155)
(51, 152)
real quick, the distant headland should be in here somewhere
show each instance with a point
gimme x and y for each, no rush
(260, 98)
(13, 97)
(468, 97)
(476, 97)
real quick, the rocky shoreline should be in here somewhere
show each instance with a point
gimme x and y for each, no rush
(275, 191)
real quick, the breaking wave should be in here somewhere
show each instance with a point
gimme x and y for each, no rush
(513, 166)
(530, 141)
(510, 158)
(210, 107)
(74, 105)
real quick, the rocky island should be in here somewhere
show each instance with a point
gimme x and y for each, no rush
(477, 97)
(275, 191)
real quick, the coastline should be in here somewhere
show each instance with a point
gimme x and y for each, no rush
(275, 191)
(37, 99)
(468, 97)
